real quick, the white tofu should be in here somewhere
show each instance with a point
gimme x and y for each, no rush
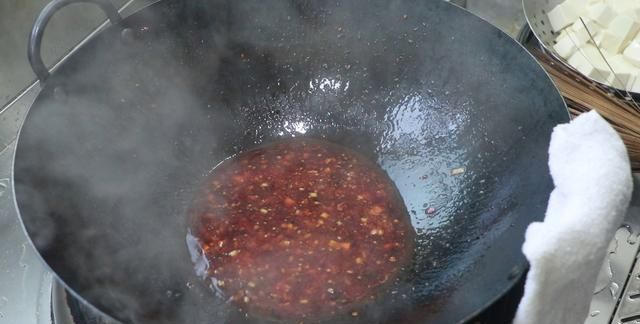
(631, 83)
(581, 33)
(602, 13)
(595, 73)
(614, 25)
(590, 63)
(624, 74)
(595, 56)
(577, 6)
(625, 28)
(620, 63)
(620, 81)
(636, 86)
(632, 52)
(567, 43)
(609, 41)
(627, 7)
(562, 16)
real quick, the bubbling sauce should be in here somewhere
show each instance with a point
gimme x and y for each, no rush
(301, 228)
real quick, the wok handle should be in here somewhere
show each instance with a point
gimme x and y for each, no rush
(37, 31)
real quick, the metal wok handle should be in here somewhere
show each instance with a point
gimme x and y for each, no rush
(35, 38)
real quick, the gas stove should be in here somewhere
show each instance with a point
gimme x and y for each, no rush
(31, 294)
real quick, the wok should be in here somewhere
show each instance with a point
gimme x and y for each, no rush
(457, 114)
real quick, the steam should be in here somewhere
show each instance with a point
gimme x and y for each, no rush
(114, 156)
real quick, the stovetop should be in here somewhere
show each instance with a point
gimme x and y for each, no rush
(30, 294)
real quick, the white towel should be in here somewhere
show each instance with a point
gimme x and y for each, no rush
(593, 184)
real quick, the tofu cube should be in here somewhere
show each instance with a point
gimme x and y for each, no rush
(624, 74)
(602, 13)
(632, 52)
(596, 57)
(562, 16)
(636, 86)
(624, 27)
(582, 33)
(577, 6)
(567, 43)
(599, 75)
(609, 41)
(628, 7)
(586, 62)
(631, 83)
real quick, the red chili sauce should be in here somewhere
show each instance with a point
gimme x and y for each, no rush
(302, 228)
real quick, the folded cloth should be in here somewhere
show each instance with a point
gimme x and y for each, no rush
(593, 184)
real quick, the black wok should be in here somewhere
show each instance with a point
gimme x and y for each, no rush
(456, 113)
